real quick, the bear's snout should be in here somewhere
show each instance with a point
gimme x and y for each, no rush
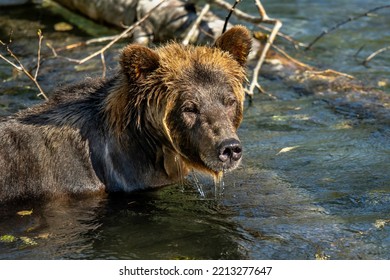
(229, 152)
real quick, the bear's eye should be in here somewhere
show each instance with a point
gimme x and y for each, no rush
(230, 102)
(190, 114)
(190, 108)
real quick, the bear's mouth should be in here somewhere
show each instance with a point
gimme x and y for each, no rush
(216, 165)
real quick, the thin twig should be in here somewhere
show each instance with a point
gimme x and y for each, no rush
(11, 63)
(118, 37)
(328, 72)
(293, 60)
(294, 42)
(23, 69)
(195, 25)
(350, 19)
(20, 67)
(229, 15)
(115, 38)
(240, 14)
(52, 49)
(310, 69)
(261, 9)
(358, 51)
(371, 56)
(254, 20)
(88, 42)
(7, 60)
(60, 56)
(40, 37)
(277, 25)
(104, 65)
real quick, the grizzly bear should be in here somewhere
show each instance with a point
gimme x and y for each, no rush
(165, 112)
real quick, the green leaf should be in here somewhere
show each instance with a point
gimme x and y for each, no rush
(28, 241)
(7, 238)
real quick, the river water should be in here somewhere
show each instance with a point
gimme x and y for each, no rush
(314, 183)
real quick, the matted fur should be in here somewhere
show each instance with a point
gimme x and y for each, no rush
(167, 111)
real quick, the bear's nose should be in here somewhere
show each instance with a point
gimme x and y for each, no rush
(230, 149)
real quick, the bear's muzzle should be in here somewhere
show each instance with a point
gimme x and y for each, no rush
(230, 151)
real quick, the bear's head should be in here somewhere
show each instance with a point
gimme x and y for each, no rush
(189, 99)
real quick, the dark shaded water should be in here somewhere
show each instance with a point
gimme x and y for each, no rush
(314, 183)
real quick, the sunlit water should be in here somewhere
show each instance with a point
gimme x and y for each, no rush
(314, 183)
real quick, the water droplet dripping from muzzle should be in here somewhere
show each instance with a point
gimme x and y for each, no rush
(219, 186)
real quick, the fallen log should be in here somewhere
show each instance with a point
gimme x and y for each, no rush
(175, 18)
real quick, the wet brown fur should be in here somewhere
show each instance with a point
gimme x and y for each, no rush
(134, 130)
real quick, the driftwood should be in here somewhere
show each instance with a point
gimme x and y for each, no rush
(340, 91)
(112, 40)
(172, 20)
(374, 54)
(179, 20)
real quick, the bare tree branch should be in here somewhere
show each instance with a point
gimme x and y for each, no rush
(10, 62)
(350, 19)
(120, 36)
(371, 56)
(40, 37)
(113, 40)
(229, 15)
(20, 67)
(103, 64)
(277, 25)
(195, 25)
(240, 14)
(254, 20)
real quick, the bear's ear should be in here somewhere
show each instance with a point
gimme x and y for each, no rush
(237, 41)
(138, 61)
